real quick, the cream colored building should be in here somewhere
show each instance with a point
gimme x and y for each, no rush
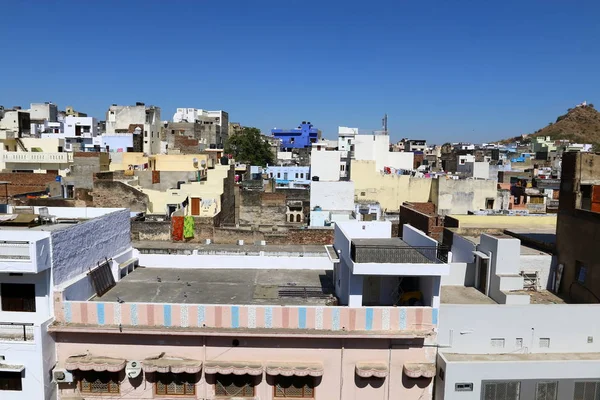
(205, 195)
(38, 155)
(389, 190)
(449, 195)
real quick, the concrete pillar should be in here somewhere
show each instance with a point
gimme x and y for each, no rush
(355, 290)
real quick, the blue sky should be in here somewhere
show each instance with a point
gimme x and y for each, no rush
(442, 70)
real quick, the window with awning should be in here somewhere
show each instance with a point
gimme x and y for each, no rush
(302, 387)
(234, 385)
(168, 384)
(295, 369)
(419, 370)
(371, 370)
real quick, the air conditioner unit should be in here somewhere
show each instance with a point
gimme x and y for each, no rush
(61, 375)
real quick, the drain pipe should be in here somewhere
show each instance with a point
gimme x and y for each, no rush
(342, 368)
(387, 381)
(203, 364)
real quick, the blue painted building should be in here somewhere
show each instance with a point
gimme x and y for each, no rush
(303, 136)
(289, 176)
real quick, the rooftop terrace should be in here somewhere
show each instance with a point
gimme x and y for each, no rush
(223, 286)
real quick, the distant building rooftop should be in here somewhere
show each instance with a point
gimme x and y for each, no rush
(541, 223)
(224, 286)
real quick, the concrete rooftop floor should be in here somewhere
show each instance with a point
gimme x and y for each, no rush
(463, 295)
(217, 286)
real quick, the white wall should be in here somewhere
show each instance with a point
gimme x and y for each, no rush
(216, 261)
(82, 246)
(469, 328)
(459, 275)
(115, 142)
(332, 196)
(325, 164)
(400, 160)
(372, 147)
(417, 238)
(37, 357)
(527, 372)
(71, 122)
(542, 263)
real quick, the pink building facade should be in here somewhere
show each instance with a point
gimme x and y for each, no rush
(134, 345)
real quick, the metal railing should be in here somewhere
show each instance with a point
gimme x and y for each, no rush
(16, 332)
(401, 255)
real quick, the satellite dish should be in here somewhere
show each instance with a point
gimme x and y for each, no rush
(203, 163)
(133, 369)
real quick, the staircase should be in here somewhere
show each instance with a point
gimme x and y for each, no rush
(21, 145)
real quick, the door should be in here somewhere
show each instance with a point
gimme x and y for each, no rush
(195, 206)
(483, 274)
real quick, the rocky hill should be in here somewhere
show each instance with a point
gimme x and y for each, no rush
(580, 124)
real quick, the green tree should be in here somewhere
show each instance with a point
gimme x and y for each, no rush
(249, 146)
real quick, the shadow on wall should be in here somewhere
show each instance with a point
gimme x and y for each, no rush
(362, 383)
(421, 383)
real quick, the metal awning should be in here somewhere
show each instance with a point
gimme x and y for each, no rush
(176, 365)
(369, 370)
(233, 367)
(481, 254)
(295, 369)
(89, 362)
(11, 368)
(419, 370)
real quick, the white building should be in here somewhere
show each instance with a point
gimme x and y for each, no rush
(14, 123)
(331, 202)
(498, 341)
(39, 112)
(35, 260)
(78, 132)
(415, 145)
(327, 164)
(194, 114)
(474, 169)
(376, 147)
(124, 119)
(294, 176)
(375, 268)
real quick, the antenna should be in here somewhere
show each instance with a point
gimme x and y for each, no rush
(385, 125)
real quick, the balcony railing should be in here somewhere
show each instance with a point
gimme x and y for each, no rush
(16, 332)
(399, 255)
(33, 157)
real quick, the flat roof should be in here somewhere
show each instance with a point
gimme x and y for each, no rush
(455, 357)
(463, 295)
(223, 286)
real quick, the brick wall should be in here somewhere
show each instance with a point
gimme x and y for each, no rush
(186, 145)
(22, 183)
(423, 217)
(150, 230)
